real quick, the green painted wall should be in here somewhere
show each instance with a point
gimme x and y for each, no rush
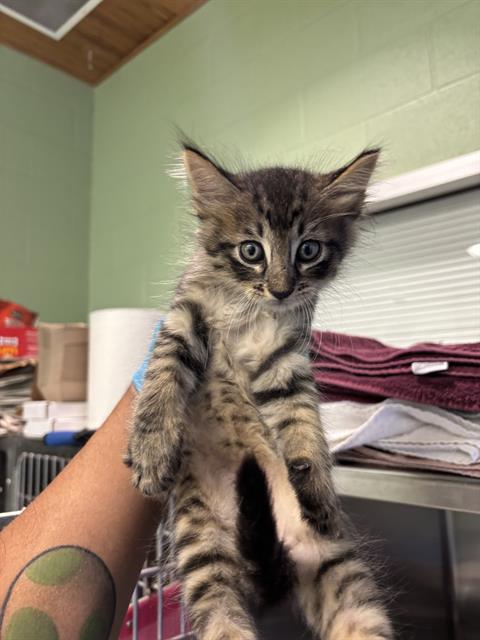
(276, 80)
(45, 162)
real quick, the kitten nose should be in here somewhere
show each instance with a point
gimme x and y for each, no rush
(281, 295)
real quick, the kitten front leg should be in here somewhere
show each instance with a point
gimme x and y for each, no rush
(177, 366)
(285, 395)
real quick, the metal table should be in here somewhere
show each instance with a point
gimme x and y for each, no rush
(420, 489)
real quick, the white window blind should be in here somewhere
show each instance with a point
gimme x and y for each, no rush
(410, 278)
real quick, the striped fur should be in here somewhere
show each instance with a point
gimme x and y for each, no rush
(228, 417)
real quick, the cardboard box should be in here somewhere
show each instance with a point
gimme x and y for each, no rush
(62, 364)
(18, 342)
(13, 315)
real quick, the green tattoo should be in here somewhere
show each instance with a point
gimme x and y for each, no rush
(63, 593)
(31, 624)
(96, 627)
(53, 569)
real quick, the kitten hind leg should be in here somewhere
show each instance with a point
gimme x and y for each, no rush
(340, 600)
(216, 585)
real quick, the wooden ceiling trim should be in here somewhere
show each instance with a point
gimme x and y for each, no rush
(111, 35)
(107, 34)
(146, 13)
(35, 44)
(175, 6)
(119, 21)
(188, 7)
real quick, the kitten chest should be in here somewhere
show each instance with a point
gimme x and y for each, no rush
(248, 350)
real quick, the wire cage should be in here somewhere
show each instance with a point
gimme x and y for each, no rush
(33, 472)
(156, 611)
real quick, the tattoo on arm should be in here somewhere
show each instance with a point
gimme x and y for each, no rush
(65, 592)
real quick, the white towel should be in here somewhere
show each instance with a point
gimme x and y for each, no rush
(402, 427)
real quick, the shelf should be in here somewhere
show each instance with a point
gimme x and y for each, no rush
(436, 491)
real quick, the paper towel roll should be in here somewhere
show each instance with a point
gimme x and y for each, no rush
(119, 339)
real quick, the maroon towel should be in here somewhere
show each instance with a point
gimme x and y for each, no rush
(352, 367)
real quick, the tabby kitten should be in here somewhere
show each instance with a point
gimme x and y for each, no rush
(228, 415)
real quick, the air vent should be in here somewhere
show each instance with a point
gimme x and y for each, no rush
(54, 18)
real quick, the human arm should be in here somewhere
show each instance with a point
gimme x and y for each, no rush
(93, 507)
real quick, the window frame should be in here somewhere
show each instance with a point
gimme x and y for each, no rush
(431, 181)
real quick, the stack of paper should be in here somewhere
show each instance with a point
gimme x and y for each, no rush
(16, 379)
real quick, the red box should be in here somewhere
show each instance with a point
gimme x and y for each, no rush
(18, 342)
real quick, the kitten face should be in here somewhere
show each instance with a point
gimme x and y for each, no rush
(276, 235)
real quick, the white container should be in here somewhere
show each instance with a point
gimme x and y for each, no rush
(37, 428)
(67, 410)
(35, 410)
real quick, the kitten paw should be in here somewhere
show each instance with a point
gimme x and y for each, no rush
(317, 499)
(150, 483)
(153, 472)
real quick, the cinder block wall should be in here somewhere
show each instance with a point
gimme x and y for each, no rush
(45, 162)
(276, 80)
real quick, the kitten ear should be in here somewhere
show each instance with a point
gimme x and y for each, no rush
(346, 187)
(208, 181)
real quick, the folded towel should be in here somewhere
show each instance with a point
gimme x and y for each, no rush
(355, 367)
(402, 427)
(368, 456)
(367, 351)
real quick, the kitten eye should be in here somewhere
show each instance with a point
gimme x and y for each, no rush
(251, 251)
(308, 251)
